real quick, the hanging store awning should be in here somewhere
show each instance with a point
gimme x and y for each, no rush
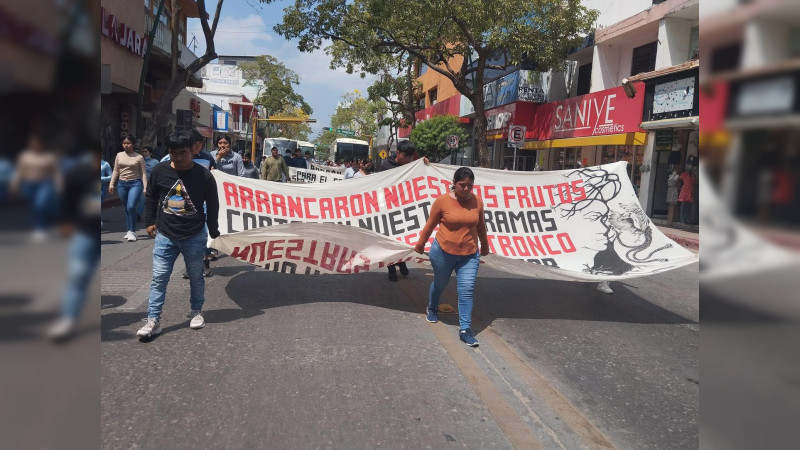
(206, 131)
(611, 139)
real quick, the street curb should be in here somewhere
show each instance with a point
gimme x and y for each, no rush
(690, 243)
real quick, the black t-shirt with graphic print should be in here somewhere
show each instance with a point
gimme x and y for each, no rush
(174, 201)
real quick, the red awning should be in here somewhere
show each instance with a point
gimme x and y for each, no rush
(206, 132)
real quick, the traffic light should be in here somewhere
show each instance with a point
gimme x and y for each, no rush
(327, 128)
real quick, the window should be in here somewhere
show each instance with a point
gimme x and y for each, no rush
(147, 4)
(794, 42)
(421, 69)
(584, 79)
(644, 58)
(726, 58)
(432, 94)
(230, 62)
(694, 43)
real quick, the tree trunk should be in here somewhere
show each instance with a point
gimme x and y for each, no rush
(163, 108)
(480, 131)
(480, 115)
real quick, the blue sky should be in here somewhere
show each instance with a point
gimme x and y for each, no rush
(245, 29)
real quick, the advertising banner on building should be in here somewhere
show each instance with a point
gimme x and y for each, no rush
(583, 224)
(596, 114)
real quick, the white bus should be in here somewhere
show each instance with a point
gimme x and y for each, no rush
(347, 149)
(307, 147)
(283, 144)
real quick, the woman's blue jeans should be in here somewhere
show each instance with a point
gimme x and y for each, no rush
(129, 193)
(165, 252)
(466, 267)
(41, 194)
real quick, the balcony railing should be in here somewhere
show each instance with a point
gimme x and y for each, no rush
(163, 40)
(163, 37)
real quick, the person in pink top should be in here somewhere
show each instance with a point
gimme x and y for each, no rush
(686, 194)
(130, 170)
(459, 216)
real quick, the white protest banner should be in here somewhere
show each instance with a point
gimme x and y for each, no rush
(582, 224)
(324, 168)
(313, 176)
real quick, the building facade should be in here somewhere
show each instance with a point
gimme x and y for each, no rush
(124, 28)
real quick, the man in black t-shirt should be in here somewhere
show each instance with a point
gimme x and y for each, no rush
(175, 218)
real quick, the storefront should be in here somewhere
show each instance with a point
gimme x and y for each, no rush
(671, 158)
(764, 119)
(593, 129)
(122, 45)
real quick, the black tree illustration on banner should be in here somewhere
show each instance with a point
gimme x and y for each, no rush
(629, 227)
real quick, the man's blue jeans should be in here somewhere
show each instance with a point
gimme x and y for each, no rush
(165, 252)
(129, 193)
(466, 267)
(84, 254)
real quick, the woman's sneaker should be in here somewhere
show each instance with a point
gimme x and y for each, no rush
(604, 287)
(466, 336)
(197, 321)
(130, 236)
(433, 315)
(150, 329)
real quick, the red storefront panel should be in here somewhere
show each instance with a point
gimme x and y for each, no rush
(596, 114)
(714, 104)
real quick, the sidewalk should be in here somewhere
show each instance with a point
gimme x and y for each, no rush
(685, 238)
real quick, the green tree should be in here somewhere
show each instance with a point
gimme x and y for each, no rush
(365, 32)
(179, 76)
(399, 89)
(430, 136)
(276, 85)
(356, 113)
(298, 131)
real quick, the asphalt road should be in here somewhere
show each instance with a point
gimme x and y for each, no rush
(346, 362)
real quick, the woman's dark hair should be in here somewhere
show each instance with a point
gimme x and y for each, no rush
(127, 137)
(461, 174)
(221, 137)
(148, 148)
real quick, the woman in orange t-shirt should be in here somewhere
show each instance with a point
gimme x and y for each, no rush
(459, 216)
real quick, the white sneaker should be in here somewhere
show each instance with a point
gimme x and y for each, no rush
(151, 328)
(130, 236)
(197, 321)
(62, 329)
(604, 288)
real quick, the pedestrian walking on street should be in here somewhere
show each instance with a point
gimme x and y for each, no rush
(38, 179)
(459, 216)
(175, 219)
(82, 224)
(149, 163)
(250, 170)
(273, 167)
(105, 180)
(226, 159)
(406, 153)
(129, 168)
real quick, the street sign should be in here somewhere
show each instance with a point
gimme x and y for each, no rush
(452, 141)
(345, 132)
(382, 154)
(516, 135)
